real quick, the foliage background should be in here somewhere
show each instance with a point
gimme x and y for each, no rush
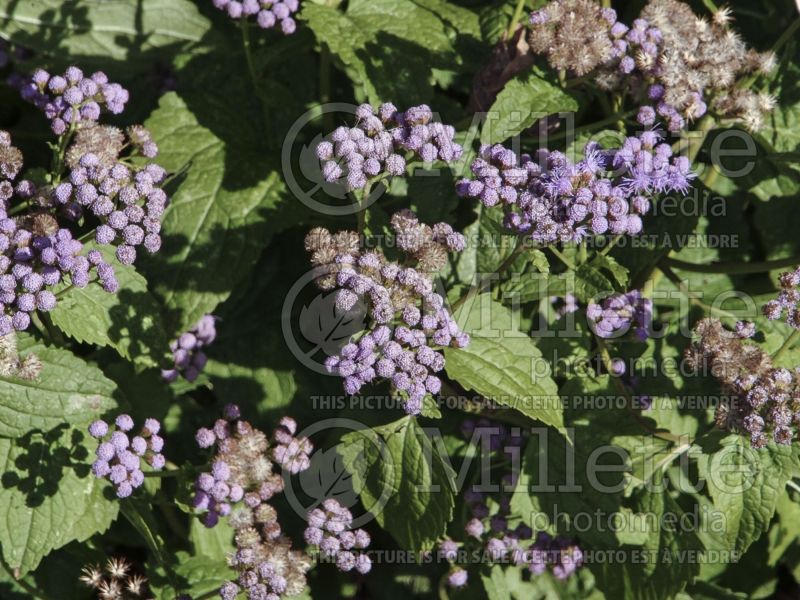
(233, 236)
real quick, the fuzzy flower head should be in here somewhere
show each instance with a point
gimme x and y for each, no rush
(72, 100)
(760, 399)
(36, 252)
(787, 304)
(238, 486)
(126, 201)
(621, 314)
(187, 351)
(329, 530)
(573, 33)
(267, 14)
(550, 200)
(120, 454)
(116, 580)
(701, 60)
(408, 319)
(381, 144)
(242, 478)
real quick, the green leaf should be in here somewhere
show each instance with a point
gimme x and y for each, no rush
(591, 283)
(402, 480)
(502, 363)
(494, 584)
(786, 530)
(121, 31)
(214, 543)
(523, 101)
(671, 555)
(388, 48)
(68, 390)
(745, 485)
(223, 213)
(204, 575)
(617, 271)
(559, 481)
(139, 515)
(48, 496)
(128, 321)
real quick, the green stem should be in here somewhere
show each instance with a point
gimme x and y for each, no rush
(34, 592)
(788, 343)
(325, 85)
(172, 520)
(707, 123)
(605, 357)
(592, 126)
(512, 26)
(567, 262)
(442, 588)
(786, 35)
(732, 267)
(251, 68)
(688, 295)
(710, 5)
(610, 246)
(582, 254)
(60, 153)
(487, 281)
(162, 474)
(361, 215)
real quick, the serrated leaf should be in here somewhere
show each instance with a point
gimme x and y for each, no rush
(48, 496)
(671, 556)
(388, 48)
(402, 480)
(203, 574)
(128, 321)
(503, 363)
(523, 101)
(591, 283)
(222, 214)
(68, 390)
(745, 485)
(112, 30)
(609, 263)
(785, 531)
(558, 480)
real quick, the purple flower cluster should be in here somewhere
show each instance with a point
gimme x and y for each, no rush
(408, 317)
(119, 456)
(758, 398)
(618, 314)
(127, 202)
(239, 485)
(291, 453)
(559, 555)
(550, 199)
(36, 254)
(635, 61)
(71, 100)
(268, 13)
(329, 530)
(787, 300)
(380, 145)
(187, 351)
(673, 61)
(241, 468)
